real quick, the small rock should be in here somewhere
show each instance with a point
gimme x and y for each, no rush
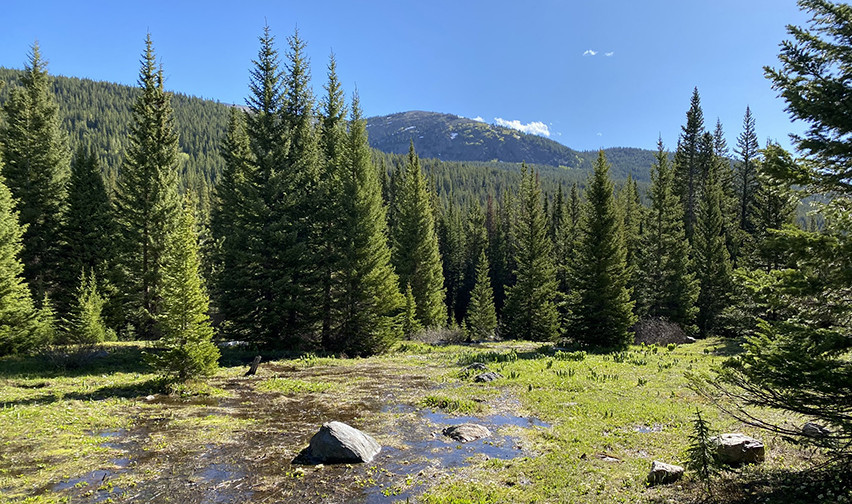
(736, 449)
(663, 474)
(815, 430)
(337, 442)
(487, 377)
(476, 366)
(466, 432)
(150, 398)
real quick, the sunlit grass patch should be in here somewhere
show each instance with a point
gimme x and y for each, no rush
(451, 405)
(290, 386)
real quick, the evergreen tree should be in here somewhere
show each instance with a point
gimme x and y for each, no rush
(87, 324)
(329, 218)
(604, 311)
(712, 261)
(565, 244)
(147, 201)
(746, 171)
(36, 155)
(451, 246)
(410, 323)
(476, 243)
(734, 235)
(497, 251)
(89, 232)
(298, 238)
(530, 311)
(773, 208)
(481, 321)
(188, 350)
(369, 290)
(17, 314)
(668, 287)
(687, 168)
(415, 246)
(632, 218)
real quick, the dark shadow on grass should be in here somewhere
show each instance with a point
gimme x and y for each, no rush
(729, 347)
(129, 391)
(62, 362)
(826, 483)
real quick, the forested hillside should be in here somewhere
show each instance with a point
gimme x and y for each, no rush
(452, 138)
(99, 114)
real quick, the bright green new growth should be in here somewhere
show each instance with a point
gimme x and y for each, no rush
(481, 316)
(188, 351)
(17, 315)
(410, 325)
(87, 325)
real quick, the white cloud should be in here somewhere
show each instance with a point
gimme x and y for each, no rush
(589, 52)
(479, 119)
(532, 128)
(609, 54)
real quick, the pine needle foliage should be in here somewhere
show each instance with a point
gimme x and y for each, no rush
(187, 348)
(35, 151)
(481, 319)
(603, 312)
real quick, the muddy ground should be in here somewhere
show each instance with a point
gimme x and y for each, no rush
(240, 447)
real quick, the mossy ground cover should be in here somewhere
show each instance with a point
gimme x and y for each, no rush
(95, 433)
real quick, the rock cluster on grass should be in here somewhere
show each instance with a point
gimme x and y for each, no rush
(735, 449)
(663, 474)
(487, 377)
(815, 430)
(337, 442)
(466, 432)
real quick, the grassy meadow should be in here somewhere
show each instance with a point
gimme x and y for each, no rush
(108, 430)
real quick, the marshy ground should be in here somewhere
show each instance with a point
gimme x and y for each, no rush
(568, 427)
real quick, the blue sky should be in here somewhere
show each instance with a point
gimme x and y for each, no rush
(593, 73)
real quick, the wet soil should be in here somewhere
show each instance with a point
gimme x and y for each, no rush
(240, 448)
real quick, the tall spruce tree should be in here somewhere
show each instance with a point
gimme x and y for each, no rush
(188, 349)
(369, 299)
(688, 176)
(147, 202)
(481, 319)
(89, 232)
(415, 245)
(244, 220)
(296, 232)
(712, 261)
(667, 287)
(746, 171)
(451, 245)
(35, 149)
(497, 251)
(329, 218)
(773, 208)
(530, 311)
(603, 313)
(17, 314)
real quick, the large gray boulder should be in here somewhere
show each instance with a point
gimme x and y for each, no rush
(815, 430)
(466, 432)
(735, 449)
(663, 474)
(339, 443)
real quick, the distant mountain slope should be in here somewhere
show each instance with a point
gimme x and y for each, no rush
(452, 138)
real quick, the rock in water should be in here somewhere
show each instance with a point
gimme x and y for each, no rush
(466, 432)
(487, 377)
(736, 449)
(663, 474)
(337, 442)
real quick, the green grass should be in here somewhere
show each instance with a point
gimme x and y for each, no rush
(632, 406)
